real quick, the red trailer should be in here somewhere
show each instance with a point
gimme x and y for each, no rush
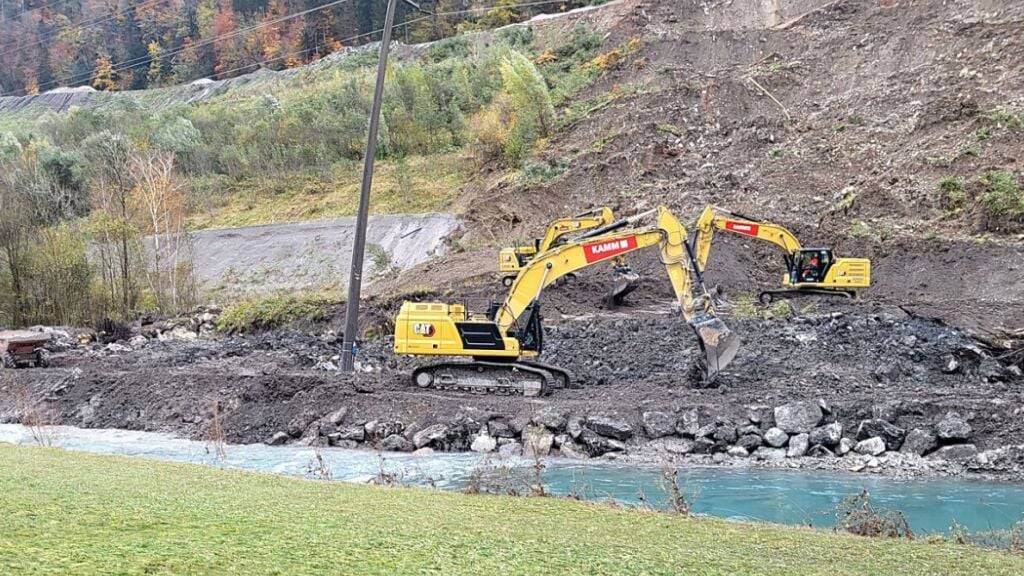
(22, 349)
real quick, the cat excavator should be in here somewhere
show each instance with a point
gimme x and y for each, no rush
(500, 348)
(809, 271)
(512, 260)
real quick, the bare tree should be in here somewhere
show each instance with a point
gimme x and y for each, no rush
(159, 196)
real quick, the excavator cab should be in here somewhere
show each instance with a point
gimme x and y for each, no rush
(810, 265)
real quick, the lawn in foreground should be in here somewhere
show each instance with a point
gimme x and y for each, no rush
(72, 513)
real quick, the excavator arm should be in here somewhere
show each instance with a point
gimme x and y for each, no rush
(813, 271)
(713, 219)
(578, 223)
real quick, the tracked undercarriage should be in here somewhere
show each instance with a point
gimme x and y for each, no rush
(769, 296)
(520, 378)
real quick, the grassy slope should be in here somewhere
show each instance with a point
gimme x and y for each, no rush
(67, 513)
(423, 184)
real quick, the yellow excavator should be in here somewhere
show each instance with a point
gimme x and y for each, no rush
(499, 347)
(512, 260)
(809, 271)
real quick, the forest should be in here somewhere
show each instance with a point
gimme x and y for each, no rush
(136, 44)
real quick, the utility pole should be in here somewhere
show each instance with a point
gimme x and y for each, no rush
(355, 278)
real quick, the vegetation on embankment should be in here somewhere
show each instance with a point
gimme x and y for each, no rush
(272, 149)
(71, 513)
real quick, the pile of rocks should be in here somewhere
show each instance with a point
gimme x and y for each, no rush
(794, 430)
(809, 429)
(549, 432)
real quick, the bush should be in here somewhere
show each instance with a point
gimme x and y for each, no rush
(952, 193)
(857, 515)
(259, 314)
(1003, 198)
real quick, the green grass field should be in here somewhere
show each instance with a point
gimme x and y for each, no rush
(72, 513)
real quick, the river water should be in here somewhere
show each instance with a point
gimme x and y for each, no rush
(786, 497)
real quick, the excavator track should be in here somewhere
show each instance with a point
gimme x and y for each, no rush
(769, 296)
(501, 378)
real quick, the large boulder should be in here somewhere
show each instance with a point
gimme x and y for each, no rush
(919, 441)
(688, 423)
(382, 429)
(726, 433)
(537, 441)
(610, 427)
(598, 445)
(431, 435)
(771, 453)
(702, 446)
(510, 450)
(278, 439)
(337, 417)
(775, 437)
(500, 429)
(798, 417)
(355, 433)
(396, 443)
(873, 446)
(819, 451)
(827, 435)
(953, 427)
(845, 446)
(891, 434)
(798, 445)
(483, 444)
(658, 424)
(738, 452)
(574, 426)
(551, 418)
(955, 453)
(749, 442)
(573, 451)
(760, 415)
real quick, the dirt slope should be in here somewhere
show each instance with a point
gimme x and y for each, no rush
(838, 123)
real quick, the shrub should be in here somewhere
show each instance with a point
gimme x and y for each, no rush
(454, 47)
(952, 194)
(1003, 198)
(259, 314)
(857, 515)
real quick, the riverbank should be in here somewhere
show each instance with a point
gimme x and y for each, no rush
(809, 392)
(73, 513)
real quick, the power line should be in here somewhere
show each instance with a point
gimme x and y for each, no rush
(147, 59)
(88, 23)
(307, 51)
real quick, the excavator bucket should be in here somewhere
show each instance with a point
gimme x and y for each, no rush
(719, 343)
(625, 282)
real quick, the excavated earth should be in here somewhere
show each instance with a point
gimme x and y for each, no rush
(836, 119)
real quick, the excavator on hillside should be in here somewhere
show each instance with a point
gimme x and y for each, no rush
(809, 271)
(501, 345)
(512, 260)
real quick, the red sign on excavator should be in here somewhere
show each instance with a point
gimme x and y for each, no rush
(742, 228)
(601, 250)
